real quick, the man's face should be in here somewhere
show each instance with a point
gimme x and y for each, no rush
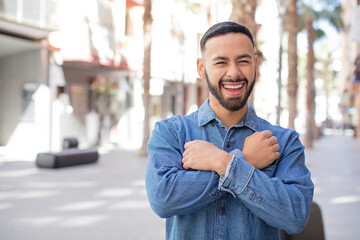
(229, 66)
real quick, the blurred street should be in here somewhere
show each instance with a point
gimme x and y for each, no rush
(335, 166)
(107, 200)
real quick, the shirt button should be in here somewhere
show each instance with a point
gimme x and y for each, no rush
(228, 145)
(222, 210)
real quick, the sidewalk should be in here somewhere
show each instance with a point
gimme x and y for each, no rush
(107, 200)
(335, 166)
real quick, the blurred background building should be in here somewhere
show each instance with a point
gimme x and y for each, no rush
(350, 71)
(24, 66)
(63, 71)
(74, 69)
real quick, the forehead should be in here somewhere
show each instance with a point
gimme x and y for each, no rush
(230, 43)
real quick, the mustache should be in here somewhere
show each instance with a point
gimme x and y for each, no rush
(233, 80)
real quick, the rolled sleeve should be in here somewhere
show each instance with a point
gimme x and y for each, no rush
(238, 174)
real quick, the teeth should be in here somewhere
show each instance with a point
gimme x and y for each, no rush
(234, 86)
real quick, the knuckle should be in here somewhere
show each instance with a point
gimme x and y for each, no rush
(262, 135)
(268, 133)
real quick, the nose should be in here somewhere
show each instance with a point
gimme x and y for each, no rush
(234, 72)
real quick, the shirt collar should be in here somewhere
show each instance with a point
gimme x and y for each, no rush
(250, 120)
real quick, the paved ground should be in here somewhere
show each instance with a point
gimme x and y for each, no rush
(99, 201)
(335, 166)
(107, 200)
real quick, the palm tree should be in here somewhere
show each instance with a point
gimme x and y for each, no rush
(243, 12)
(308, 17)
(282, 6)
(328, 76)
(292, 27)
(146, 74)
(310, 87)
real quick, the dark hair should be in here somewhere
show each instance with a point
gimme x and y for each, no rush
(223, 28)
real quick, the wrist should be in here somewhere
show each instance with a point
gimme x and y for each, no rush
(222, 164)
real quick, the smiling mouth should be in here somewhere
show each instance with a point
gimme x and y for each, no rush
(233, 89)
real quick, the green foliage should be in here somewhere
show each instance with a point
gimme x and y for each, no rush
(334, 17)
(330, 12)
(319, 33)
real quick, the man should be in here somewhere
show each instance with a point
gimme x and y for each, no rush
(222, 172)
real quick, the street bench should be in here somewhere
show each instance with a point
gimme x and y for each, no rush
(67, 157)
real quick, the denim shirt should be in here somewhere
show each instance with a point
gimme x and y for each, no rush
(248, 203)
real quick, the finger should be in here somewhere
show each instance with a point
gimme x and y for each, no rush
(276, 147)
(277, 155)
(186, 166)
(273, 140)
(184, 160)
(191, 143)
(267, 133)
(188, 145)
(186, 153)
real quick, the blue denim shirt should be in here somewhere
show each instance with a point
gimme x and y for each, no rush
(248, 203)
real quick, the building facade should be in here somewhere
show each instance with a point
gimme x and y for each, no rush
(350, 72)
(74, 69)
(63, 72)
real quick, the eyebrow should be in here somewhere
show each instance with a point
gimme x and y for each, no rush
(220, 58)
(245, 55)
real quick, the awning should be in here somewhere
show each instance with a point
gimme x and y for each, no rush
(23, 30)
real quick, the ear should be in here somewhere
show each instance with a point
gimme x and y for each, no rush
(200, 68)
(256, 59)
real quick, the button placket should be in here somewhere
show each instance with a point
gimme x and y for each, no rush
(227, 141)
(221, 223)
(222, 210)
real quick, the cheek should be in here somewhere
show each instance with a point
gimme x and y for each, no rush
(250, 73)
(216, 75)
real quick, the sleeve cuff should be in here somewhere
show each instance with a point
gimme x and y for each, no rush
(228, 168)
(238, 174)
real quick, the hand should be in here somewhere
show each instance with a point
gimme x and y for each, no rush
(205, 156)
(261, 149)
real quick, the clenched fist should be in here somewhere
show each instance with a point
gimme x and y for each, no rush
(261, 149)
(205, 156)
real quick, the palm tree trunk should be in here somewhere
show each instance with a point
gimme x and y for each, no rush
(310, 94)
(243, 12)
(326, 85)
(292, 87)
(146, 75)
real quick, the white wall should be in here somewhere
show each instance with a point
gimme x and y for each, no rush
(24, 121)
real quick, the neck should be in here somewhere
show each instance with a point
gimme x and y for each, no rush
(228, 118)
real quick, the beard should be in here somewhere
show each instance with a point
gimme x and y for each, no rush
(235, 103)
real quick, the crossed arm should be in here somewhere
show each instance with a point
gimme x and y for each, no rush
(260, 150)
(175, 190)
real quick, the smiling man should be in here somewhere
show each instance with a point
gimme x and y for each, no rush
(222, 172)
